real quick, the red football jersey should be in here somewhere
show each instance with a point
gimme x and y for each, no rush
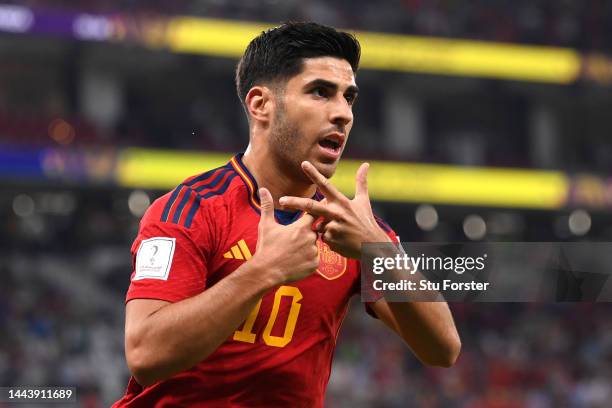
(281, 355)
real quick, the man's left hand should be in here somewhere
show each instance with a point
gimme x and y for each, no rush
(344, 224)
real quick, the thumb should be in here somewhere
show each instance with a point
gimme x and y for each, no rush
(361, 184)
(267, 206)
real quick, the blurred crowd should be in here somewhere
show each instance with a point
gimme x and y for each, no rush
(514, 355)
(60, 329)
(571, 23)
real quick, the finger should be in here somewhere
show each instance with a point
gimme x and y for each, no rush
(306, 219)
(267, 206)
(307, 205)
(323, 226)
(322, 182)
(361, 180)
(328, 238)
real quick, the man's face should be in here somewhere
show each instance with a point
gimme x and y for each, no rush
(313, 116)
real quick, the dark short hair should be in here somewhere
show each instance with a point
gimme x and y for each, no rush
(278, 53)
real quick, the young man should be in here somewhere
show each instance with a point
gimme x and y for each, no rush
(237, 303)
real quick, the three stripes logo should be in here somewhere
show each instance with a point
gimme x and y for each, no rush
(185, 200)
(239, 251)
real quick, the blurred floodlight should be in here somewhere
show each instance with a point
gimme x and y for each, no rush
(474, 227)
(61, 131)
(579, 222)
(92, 27)
(426, 217)
(138, 202)
(15, 19)
(23, 205)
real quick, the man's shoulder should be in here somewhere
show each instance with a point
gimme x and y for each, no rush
(182, 204)
(383, 224)
(386, 227)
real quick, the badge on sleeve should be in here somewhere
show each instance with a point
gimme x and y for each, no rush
(154, 258)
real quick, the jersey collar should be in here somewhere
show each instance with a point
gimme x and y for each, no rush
(248, 180)
(283, 217)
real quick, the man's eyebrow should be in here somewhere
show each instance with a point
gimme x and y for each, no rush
(352, 89)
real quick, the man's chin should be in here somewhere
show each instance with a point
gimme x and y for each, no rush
(326, 169)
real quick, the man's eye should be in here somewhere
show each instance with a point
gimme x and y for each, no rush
(350, 99)
(319, 92)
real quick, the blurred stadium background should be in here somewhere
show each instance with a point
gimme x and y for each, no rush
(485, 120)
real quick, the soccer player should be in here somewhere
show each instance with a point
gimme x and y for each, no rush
(236, 299)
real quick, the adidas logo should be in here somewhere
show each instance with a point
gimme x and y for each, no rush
(239, 251)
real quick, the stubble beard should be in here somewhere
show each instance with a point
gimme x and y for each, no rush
(285, 138)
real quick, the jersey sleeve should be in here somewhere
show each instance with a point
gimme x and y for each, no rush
(372, 292)
(169, 260)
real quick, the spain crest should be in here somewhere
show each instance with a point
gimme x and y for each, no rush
(331, 264)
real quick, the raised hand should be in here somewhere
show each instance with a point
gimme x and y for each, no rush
(289, 252)
(344, 224)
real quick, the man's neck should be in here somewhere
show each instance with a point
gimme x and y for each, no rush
(270, 175)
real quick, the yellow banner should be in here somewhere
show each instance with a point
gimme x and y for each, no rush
(220, 38)
(471, 186)
(163, 169)
(225, 38)
(469, 58)
(388, 181)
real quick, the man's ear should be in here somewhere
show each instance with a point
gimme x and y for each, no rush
(259, 103)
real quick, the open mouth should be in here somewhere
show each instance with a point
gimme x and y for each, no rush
(332, 143)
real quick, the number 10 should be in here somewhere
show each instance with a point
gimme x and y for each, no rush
(246, 333)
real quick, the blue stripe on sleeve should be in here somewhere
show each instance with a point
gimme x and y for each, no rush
(213, 183)
(221, 190)
(194, 207)
(171, 200)
(201, 177)
(179, 208)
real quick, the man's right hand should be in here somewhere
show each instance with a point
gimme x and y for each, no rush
(288, 253)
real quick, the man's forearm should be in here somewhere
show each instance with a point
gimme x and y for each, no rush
(429, 329)
(426, 326)
(179, 335)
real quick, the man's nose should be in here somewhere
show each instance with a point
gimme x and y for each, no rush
(342, 112)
